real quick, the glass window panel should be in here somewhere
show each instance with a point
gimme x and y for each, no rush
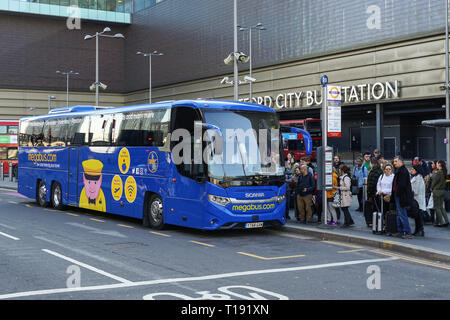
(128, 6)
(120, 6)
(93, 4)
(12, 154)
(83, 4)
(3, 129)
(13, 129)
(110, 5)
(3, 153)
(101, 4)
(99, 130)
(78, 129)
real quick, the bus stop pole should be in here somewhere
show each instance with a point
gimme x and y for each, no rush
(324, 147)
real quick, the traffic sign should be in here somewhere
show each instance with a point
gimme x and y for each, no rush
(324, 80)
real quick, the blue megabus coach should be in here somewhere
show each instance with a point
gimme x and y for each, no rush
(190, 163)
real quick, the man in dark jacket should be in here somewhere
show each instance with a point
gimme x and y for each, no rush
(372, 179)
(304, 191)
(402, 194)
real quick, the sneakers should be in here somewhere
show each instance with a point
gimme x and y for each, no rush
(407, 236)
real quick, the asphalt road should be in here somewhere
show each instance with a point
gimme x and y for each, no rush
(76, 254)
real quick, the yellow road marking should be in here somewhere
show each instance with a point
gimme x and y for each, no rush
(290, 235)
(160, 234)
(343, 244)
(203, 244)
(348, 251)
(274, 258)
(13, 202)
(72, 214)
(93, 219)
(125, 226)
(428, 263)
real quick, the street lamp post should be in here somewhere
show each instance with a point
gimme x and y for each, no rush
(149, 55)
(258, 26)
(235, 64)
(447, 107)
(49, 101)
(67, 74)
(96, 36)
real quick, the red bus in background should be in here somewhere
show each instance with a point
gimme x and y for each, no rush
(313, 126)
(8, 144)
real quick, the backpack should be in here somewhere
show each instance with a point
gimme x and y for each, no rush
(354, 178)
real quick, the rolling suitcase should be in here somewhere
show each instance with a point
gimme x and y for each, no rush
(377, 219)
(391, 222)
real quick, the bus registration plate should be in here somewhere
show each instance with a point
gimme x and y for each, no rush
(254, 225)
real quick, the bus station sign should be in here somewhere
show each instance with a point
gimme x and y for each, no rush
(334, 97)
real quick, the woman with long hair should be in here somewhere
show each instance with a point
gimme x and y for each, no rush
(438, 189)
(345, 186)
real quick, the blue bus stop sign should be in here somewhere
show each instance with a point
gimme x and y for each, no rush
(324, 80)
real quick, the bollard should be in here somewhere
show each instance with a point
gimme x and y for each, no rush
(10, 172)
(1, 171)
(365, 189)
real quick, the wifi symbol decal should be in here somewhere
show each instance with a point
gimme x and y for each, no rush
(130, 189)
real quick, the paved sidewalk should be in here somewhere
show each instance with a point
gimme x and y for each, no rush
(435, 245)
(7, 184)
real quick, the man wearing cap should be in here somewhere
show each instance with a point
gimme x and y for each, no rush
(92, 196)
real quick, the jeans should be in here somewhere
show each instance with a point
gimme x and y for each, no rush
(402, 218)
(360, 198)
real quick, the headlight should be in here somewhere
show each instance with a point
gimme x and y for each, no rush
(281, 198)
(223, 201)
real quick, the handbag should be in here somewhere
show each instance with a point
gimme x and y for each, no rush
(430, 202)
(336, 200)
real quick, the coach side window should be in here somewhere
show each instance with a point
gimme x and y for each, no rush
(154, 129)
(36, 133)
(99, 130)
(78, 131)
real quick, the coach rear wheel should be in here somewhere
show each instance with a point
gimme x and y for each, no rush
(42, 194)
(155, 212)
(56, 196)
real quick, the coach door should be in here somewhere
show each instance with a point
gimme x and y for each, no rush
(186, 189)
(73, 176)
